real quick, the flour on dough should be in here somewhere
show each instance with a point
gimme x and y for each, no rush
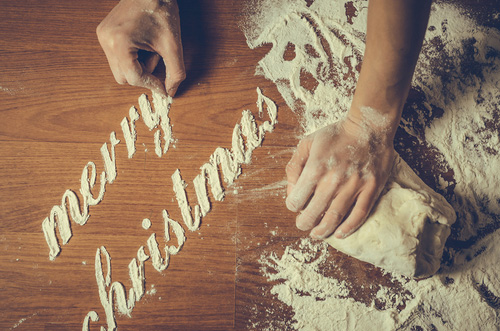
(407, 229)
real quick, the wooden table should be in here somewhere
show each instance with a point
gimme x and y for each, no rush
(59, 104)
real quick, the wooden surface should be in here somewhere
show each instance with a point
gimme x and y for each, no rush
(58, 105)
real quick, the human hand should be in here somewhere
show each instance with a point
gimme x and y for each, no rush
(144, 25)
(337, 173)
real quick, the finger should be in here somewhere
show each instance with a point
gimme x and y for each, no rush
(296, 164)
(170, 48)
(117, 72)
(114, 65)
(304, 187)
(136, 74)
(336, 212)
(319, 203)
(359, 213)
(111, 43)
(151, 61)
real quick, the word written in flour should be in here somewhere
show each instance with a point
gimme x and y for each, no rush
(247, 136)
(59, 216)
(229, 160)
(113, 295)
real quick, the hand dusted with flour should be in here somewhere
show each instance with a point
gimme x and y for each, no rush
(138, 27)
(342, 166)
(343, 169)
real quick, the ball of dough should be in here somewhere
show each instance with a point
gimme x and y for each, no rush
(407, 229)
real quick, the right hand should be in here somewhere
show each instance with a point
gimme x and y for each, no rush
(337, 174)
(149, 25)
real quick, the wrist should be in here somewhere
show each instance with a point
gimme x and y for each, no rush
(371, 125)
(381, 89)
(378, 107)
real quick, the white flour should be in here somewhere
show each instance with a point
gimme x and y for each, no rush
(146, 223)
(59, 216)
(129, 132)
(454, 114)
(109, 158)
(157, 117)
(247, 136)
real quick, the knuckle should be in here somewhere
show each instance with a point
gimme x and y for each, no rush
(103, 34)
(332, 179)
(305, 143)
(111, 40)
(333, 216)
(98, 29)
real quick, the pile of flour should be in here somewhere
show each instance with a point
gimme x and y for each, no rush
(451, 114)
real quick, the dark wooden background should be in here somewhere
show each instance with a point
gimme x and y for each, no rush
(58, 105)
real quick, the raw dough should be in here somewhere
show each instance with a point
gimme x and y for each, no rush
(407, 229)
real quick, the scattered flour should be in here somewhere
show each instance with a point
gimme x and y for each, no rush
(452, 111)
(22, 320)
(129, 132)
(152, 291)
(274, 189)
(146, 223)
(319, 302)
(247, 136)
(59, 217)
(109, 158)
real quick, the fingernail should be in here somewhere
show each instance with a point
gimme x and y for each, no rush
(340, 235)
(290, 204)
(315, 233)
(300, 225)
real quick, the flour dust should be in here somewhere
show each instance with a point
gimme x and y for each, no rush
(449, 134)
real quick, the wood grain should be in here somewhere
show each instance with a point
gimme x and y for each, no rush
(58, 105)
